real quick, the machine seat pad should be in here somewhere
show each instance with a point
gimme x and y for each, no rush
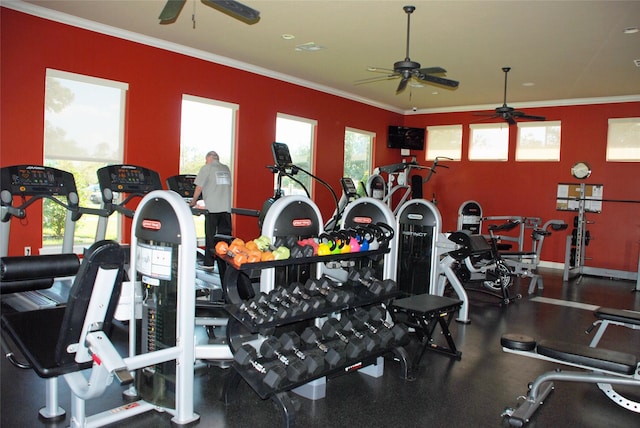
(36, 335)
(597, 358)
(619, 315)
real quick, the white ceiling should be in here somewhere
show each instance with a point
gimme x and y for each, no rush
(569, 50)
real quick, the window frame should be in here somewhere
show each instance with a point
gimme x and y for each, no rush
(502, 127)
(546, 124)
(447, 154)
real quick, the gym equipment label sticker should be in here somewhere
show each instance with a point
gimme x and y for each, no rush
(154, 261)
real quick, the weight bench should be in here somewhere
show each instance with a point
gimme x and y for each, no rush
(603, 367)
(65, 340)
(424, 312)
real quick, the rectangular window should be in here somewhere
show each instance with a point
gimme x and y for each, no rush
(299, 135)
(623, 140)
(358, 146)
(538, 141)
(489, 142)
(84, 131)
(444, 141)
(206, 125)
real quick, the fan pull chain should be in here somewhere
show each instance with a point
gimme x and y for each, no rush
(193, 15)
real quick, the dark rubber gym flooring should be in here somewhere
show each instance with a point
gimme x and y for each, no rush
(472, 392)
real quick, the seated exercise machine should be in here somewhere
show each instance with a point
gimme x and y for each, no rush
(72, 338)
(525, 263)
(478, 266)
(604, 367)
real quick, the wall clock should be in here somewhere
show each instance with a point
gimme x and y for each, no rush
(581, 170)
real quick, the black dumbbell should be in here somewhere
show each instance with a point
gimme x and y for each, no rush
(325, 287)
(384, 335)
(273, 374)
(297, 289)
(371, 342)
(311, 336)
(296, 369)
(379, 314)
(257, 315)
(354, 347)
(286, 298)
(280, 311)
(290, 342)
(366, 277)
(275, 297)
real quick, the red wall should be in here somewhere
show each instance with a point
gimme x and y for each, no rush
(157, 80)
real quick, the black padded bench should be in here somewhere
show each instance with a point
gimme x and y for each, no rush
(597, 358)
(424, 312)
(603, 367)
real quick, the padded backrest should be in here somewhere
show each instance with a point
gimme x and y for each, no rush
(101, 255)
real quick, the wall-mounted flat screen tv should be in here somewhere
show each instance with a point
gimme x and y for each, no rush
(402, 137)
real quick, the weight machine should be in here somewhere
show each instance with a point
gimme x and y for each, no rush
(400, 182)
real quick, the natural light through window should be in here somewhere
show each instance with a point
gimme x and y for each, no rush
(538, 141)
(444, 141)
(298, 134)
(623, 140)
(489, 142)
(357, 155)
(84, 131)
(205, 125)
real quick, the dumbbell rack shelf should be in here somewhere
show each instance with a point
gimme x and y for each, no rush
(254, 269)
(279, 395)
(362, 297)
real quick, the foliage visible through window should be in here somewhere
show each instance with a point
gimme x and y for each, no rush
(444, 141)
(205, 125)
(298, 134)
(489, 142)
(83, 132)
(538, 141)
(357, 155)
(623, 140)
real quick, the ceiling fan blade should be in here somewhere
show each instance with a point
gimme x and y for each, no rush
(377, 79)
(380, 70)
(171, 11)
(522, 115)
(437, 79)
(402, 85)
(432, 70)
(235, 9)
(510, 119)
(489, 115)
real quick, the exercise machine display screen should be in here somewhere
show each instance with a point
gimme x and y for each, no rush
(349, 188)
(128, 179)
(281, 155)
(183, 184)
(35, 180)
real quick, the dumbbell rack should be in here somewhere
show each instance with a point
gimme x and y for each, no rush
(279, 395)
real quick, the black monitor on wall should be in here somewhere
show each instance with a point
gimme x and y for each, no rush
(403, 137)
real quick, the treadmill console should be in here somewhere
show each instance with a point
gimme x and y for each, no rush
(127, 179)
(36, 180)
(182, 184)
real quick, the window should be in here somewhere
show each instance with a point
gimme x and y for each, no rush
(623, 140)
(205, 125)
(489, 142)
(84, 131)
(357, 155)
(444, 141)
(538, 141)
(299, 135)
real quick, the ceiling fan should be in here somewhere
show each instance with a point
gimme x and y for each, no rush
(408, 69)
(232, 8)
(509, 113)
